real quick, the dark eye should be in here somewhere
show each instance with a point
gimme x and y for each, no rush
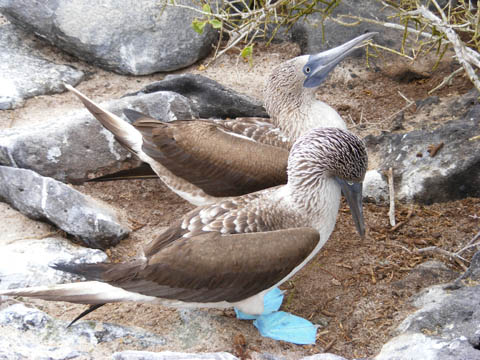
(307, 70)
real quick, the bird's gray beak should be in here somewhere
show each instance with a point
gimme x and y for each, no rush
(353, 194)
(319, 65)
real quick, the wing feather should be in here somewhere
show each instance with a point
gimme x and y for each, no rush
(258, 129)
(243, 265)
(212, 158)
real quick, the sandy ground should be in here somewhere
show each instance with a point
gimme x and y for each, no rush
(356, 289)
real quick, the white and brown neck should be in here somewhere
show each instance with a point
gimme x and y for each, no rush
(316, 203)
(293, 108)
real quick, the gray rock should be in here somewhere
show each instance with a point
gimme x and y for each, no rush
(22, 261)
(46, 199)
(375, 187)
(76, 146)
(463, 104)
(267, 356)
(308, 32)
(472, 275)
(30, 333)
(129, 37)
(452, 173)
(196, 326)
(431, 100)
(18, 348)
(426, 274)
(24, 73)
(444, 327)
(209, 98)
(419, 346)
(168, 355)
(324, 357)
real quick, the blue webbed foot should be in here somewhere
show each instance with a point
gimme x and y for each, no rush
(271, 302)
(287, 327)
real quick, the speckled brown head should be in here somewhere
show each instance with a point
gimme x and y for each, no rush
(330, 153)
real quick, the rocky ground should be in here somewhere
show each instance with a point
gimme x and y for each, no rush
(357, 290)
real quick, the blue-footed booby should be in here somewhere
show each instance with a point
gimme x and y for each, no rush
(231, 253)
(205, 160)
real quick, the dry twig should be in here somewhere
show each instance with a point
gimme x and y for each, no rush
(391, 192)
(401, 223)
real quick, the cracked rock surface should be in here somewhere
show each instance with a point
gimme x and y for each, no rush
(44, 198)
(20, 267)
(24, 73)
(75, 146)
(445, 326)
(30, 333)
(129, 37)
(435, 165)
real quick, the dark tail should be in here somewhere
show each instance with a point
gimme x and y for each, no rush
(144, 171)
(88, 311)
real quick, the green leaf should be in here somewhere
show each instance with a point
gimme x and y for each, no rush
(206, 8)
(198, 25)
(247, 51)
(216, 24)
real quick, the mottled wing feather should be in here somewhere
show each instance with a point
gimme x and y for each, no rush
(210, 218)
(258, 129)
(243, 265)
(206, 155)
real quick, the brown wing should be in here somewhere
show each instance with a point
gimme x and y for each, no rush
(213, 267)
(258, 129)
(208, 156)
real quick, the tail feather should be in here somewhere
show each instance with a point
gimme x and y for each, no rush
(133, 115)
(87, 292)
(84, 313)
(90, 271)
(144, 171)
(124, 132)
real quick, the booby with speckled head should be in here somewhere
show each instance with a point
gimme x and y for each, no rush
(205, 160)
(233, 252)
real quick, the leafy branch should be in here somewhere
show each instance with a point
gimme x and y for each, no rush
(427, 27)
(247, 21)
(433, 28)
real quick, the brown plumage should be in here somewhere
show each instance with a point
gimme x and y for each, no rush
(233, 251)
(205, 160)
(179, 147)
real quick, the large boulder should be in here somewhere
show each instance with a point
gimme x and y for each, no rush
(76, 146)
(129, 37)
(29, 333)
(44, 198)
(433, 165)
(315, 34)
(26, 263)
(168, 355)
(445, 326)
(208, 97)
(25, 73)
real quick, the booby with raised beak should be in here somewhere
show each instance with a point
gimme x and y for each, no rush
(206, 160)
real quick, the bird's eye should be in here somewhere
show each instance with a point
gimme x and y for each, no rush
(307, 70)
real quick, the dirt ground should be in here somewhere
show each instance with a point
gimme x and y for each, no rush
(357, 290)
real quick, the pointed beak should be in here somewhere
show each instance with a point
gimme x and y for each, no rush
(319, 65)
(353, 194)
